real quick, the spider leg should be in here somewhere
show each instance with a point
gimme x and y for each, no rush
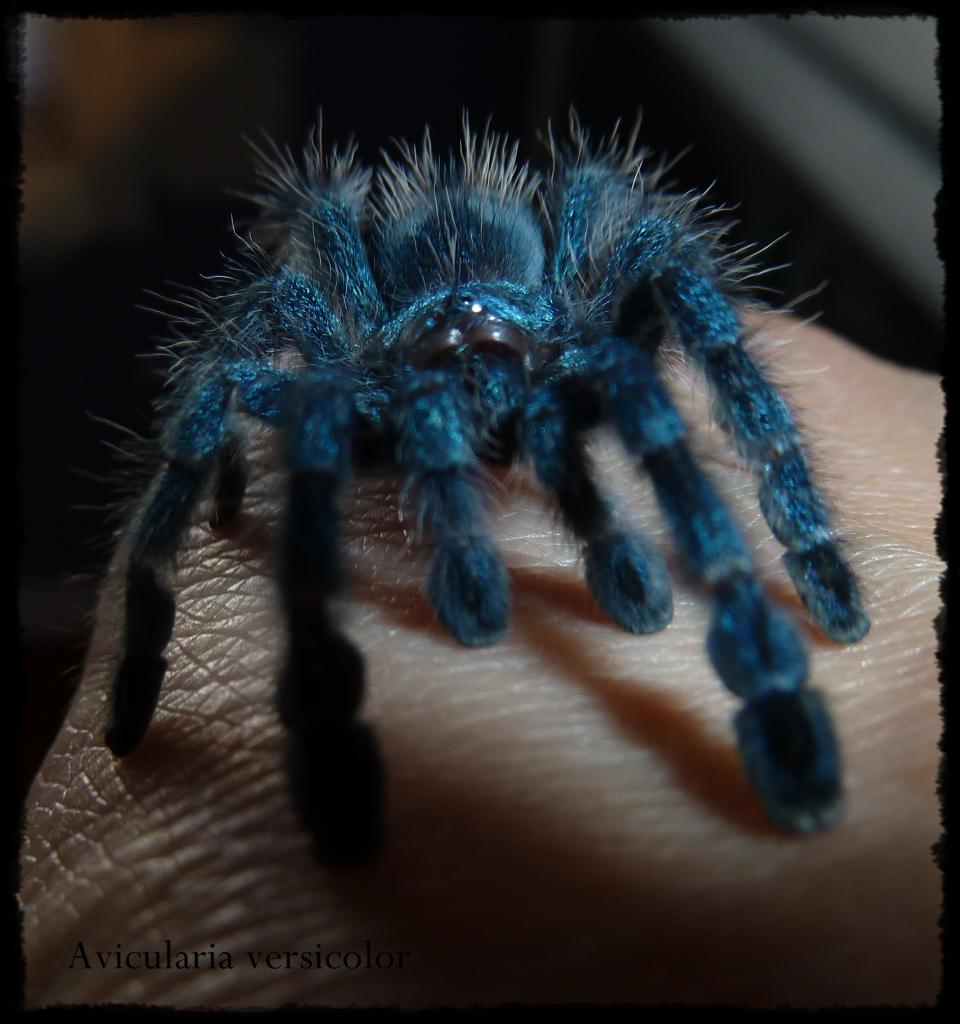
(193, 437)
(321, 684)
(624, 572)
(785, 736)
(270, 313)
(763, 432)
(467, 582)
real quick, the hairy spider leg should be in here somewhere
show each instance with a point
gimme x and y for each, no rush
(274, 311)
(195, 443)
(189, 445)
(321, 685)
(320, 688)
(625, 573)
(763, 432)
(467, 582)
(324, 284)
(786, 739)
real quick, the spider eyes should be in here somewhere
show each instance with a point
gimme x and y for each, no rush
(435, 337)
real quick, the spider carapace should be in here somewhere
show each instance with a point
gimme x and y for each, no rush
(465, 310)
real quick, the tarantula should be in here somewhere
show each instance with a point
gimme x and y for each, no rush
(461, 311)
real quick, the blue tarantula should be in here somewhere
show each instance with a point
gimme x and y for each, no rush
(453, 312)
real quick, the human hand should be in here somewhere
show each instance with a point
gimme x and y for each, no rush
(567, 815)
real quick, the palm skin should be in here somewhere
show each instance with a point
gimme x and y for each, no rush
(567, 815)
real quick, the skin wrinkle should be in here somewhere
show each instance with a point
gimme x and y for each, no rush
(567, 815)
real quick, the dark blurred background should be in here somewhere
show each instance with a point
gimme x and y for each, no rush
(822, 127)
